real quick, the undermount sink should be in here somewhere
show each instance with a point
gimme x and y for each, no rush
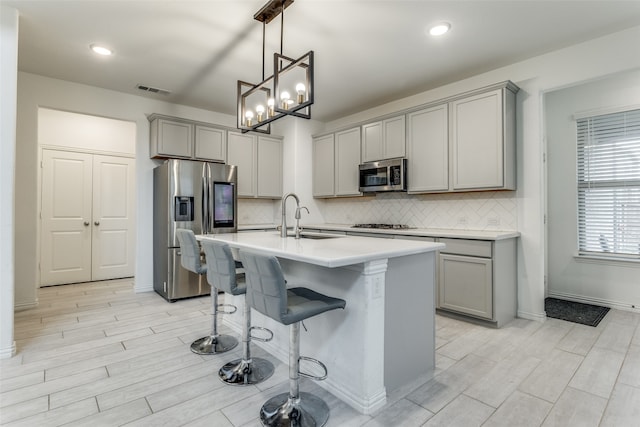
(318, 236)
(314, 236)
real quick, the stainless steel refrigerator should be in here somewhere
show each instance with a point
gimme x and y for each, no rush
(195, 195)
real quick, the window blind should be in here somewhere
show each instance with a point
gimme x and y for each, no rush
(609, 184)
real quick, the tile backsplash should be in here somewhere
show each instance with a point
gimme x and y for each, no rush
(490, 210)
(485, 210)
(256, 211)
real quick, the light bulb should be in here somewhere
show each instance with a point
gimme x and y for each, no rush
(284, 97)
(300, 88)
(260, 111)
(249, 116)
(271, 103)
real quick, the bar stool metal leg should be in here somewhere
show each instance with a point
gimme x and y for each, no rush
(295, 408)
(247, 370)
(214, 343)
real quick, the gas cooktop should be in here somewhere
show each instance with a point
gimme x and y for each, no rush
(385, 226)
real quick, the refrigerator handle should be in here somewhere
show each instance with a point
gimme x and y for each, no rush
(204, 226)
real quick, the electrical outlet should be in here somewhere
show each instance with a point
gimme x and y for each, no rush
(493, 222)
(462, 220)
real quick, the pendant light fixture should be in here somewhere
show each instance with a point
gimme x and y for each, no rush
(287, 92)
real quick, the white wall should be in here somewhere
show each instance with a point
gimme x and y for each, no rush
(297, 173)
(8, 89)
(601, 282)
(85, 133)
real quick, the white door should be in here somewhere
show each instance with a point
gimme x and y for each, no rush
(113, 218)
(87, 217)
(65, 254)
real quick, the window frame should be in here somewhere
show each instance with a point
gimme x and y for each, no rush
(593, 134)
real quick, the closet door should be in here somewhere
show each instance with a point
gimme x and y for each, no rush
(65, 249)
(113, 220)
(88, 224)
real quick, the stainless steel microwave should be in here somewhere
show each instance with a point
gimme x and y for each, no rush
(384, 175)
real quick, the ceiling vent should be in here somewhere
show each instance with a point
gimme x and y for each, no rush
(153, 90)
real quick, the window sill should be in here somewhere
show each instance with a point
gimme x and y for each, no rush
(609, 260)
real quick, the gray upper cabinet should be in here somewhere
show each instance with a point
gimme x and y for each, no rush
(483, 140)
(347, 159)
(174, 138)
(428, 150)
(336, 158)
(323, 166)
(210, 143)
(269, 174)
(259, 162)
(463, 143)
(171, 139)
(384, 139)
(242, 152)
(466, 143)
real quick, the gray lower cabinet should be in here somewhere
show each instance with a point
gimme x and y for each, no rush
(465, 285)
(478, 278)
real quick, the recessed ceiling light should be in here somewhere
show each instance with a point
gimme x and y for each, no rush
(101, 50)
(440, 29)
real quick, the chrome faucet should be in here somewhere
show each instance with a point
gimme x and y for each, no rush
(283, 225)
(297, 230)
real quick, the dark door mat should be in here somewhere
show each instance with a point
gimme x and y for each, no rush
(576, 312)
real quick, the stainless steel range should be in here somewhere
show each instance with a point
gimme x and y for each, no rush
(383, 226)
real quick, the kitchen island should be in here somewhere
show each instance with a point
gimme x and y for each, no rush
(384, 340)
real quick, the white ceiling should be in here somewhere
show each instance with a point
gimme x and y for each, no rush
(367, 52)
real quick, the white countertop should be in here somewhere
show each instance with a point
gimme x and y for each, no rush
(424, 232)
(419, 232)
(333, 252)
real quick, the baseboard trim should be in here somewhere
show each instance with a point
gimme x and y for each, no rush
(9, 352)
(635, 308)
(25, 305)
(143, 288)
(538, 317)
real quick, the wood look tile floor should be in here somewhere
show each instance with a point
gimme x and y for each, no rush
(97, 354)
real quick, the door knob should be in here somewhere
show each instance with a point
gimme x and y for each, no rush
(86, 223)
(96, 223)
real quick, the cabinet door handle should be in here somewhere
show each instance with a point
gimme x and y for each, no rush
(96, 223)
(86, 223)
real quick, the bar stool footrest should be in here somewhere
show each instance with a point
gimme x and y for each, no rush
(214, 345)
(306, 411)
(226, 310)
(317, 362)
(269, 331)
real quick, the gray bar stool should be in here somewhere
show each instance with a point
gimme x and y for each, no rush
(214, 343)
(221, 274)
(267, 293)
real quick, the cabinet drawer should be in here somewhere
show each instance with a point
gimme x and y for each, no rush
(479, 248)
